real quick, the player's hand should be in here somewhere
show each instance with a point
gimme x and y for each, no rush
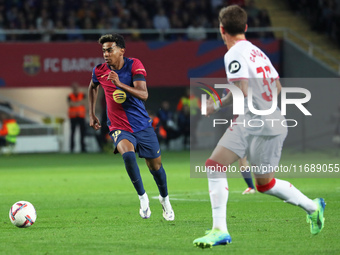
(95, 123)
(210, 106)
(113, 76)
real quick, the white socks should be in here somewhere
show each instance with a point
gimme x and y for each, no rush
(218, 191)
(287, 192)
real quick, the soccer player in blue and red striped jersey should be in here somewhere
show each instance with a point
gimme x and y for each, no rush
(124, 84)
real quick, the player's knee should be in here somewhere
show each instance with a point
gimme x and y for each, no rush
(155, 166)
(129, 158)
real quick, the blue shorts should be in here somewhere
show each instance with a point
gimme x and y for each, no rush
(145, 142)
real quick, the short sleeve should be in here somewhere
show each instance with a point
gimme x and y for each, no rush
(137, 68)
(236, 66)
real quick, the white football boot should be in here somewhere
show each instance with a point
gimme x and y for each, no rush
(144, 210)
(168, 213)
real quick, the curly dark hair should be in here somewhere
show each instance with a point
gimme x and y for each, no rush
(117, 38)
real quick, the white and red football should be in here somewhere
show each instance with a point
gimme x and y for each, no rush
(22, 214)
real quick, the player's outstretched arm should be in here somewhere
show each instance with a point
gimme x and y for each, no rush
(93, 95)
(138, 90)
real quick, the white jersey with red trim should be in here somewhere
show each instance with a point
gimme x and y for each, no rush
(245, 61)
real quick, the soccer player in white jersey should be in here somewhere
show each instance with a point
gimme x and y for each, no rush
(249, 69)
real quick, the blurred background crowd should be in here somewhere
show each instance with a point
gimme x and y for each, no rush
(46, 17)
(322, 15)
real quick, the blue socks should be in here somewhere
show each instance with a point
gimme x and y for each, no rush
(136, 179)
(247, 178)
(160, 179)
(133, 171)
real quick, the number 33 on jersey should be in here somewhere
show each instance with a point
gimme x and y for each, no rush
(245, 61)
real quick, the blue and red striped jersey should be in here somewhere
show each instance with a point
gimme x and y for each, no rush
(124, 111)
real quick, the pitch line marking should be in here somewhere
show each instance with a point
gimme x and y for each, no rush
(175, 197)
(185, 199)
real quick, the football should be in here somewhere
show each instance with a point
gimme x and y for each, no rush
(22, 214)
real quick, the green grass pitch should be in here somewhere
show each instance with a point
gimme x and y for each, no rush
(87, 205)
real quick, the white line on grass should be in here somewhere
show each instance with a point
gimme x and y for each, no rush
(186, 199)
(175, 197)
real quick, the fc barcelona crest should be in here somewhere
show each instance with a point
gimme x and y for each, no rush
(32, 64)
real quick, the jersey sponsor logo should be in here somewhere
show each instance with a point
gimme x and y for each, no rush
(116, 134)
(234, 67)
(119, 96)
